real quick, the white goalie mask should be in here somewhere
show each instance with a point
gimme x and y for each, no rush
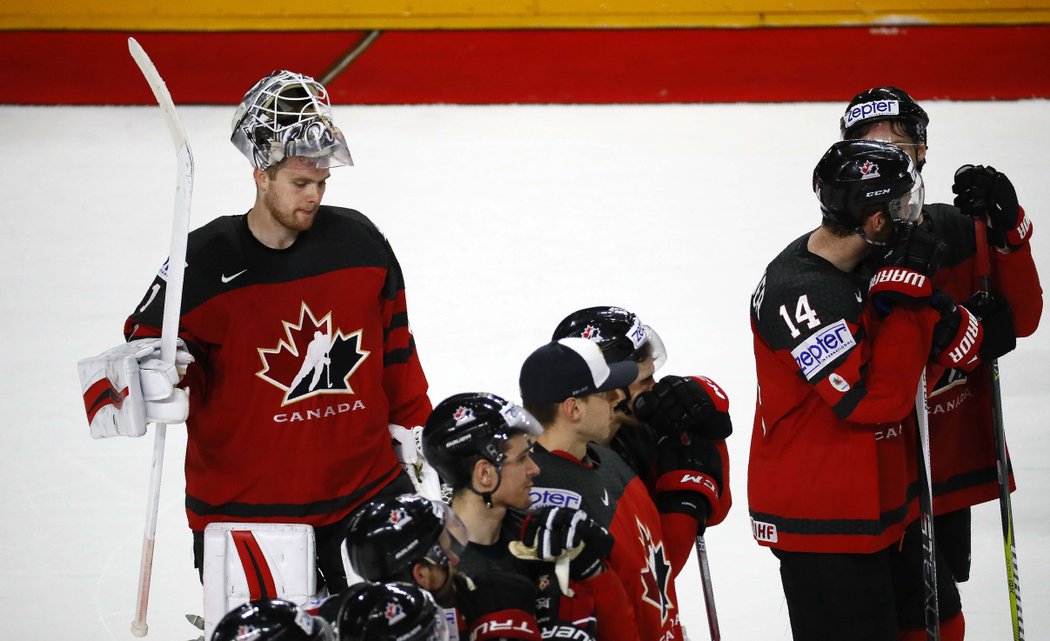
(286, 115)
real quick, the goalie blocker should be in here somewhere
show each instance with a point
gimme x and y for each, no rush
(129, 385)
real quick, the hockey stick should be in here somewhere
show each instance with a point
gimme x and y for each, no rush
(929, 555)
(172, 309)
(349, 57)
(709, 588)
(984, 270)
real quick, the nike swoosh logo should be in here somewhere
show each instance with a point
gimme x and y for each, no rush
(227, 279)
(860, 299)
(605, 497)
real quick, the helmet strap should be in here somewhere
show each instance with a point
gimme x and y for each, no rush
(487, 496)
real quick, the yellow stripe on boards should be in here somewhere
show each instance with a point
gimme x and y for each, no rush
(285, 15)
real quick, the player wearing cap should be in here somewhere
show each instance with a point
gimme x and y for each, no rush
(664, 430)
(294, 316)
(568, 386)
(962, 440)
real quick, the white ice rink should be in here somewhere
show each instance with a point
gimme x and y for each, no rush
(504, 219)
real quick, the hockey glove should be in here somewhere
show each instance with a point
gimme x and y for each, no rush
(906, 275)
(957, 336)
(690, 479)
(997, 320)
(985, 193)
(408, 445)
(128, 386)
(680, 404)
(550, 533)
(498, 606)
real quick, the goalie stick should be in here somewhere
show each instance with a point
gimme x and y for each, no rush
(929, 553)
(172, 310)
(1006, 515)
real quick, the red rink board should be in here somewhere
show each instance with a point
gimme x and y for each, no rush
(542, 66)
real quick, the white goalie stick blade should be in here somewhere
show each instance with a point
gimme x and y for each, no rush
(180, 228)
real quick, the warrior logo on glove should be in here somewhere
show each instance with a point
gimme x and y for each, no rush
(311, 359)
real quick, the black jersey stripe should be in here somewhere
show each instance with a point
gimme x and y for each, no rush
(847, 527)
(400, 356)
(970, 479)
(286, 510)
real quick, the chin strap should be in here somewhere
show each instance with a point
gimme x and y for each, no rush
(487, 496)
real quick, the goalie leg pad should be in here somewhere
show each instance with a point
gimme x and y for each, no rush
(248, 561)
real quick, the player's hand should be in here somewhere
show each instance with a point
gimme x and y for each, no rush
(906, 274)
(690, 476)
(983, 192)
(678, 404)
(957, 336)
(997, 319)
(549, 533)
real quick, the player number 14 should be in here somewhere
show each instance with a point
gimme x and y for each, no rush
(803, 314)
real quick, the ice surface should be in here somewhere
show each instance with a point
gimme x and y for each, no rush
(504, 220)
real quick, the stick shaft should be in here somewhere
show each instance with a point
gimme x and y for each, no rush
(709, 588)
(984, 270)
(172, 309)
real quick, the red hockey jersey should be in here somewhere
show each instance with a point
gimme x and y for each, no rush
(304, 355)
(609, 491)
(962, 442)
(832, 465)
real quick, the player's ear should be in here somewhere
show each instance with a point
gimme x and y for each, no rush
(484, 475)
(571, 408)
(262, 179)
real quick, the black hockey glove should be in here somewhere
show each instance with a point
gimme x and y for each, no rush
(690, 479)
(957, 336)
(997, 319)
(549, 532)
(498, 605)
(680, 404)
(985, 193)
(906, 275)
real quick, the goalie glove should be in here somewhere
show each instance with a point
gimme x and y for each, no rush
(409, 449)
(129, 385)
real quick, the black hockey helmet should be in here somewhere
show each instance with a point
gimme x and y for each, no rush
(856, 177)
(390, 612)
(619, 333)
(884, 103)
(271, 620)
(465, 426)
(388, 536)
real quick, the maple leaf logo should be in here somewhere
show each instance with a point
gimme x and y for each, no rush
(311, 359)
(656, 574)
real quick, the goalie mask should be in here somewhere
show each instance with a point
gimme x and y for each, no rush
(390, 612)
(286, 115)
(271, 620)
(387, 537)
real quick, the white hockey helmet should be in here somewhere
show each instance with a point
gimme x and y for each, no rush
(287, 114)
